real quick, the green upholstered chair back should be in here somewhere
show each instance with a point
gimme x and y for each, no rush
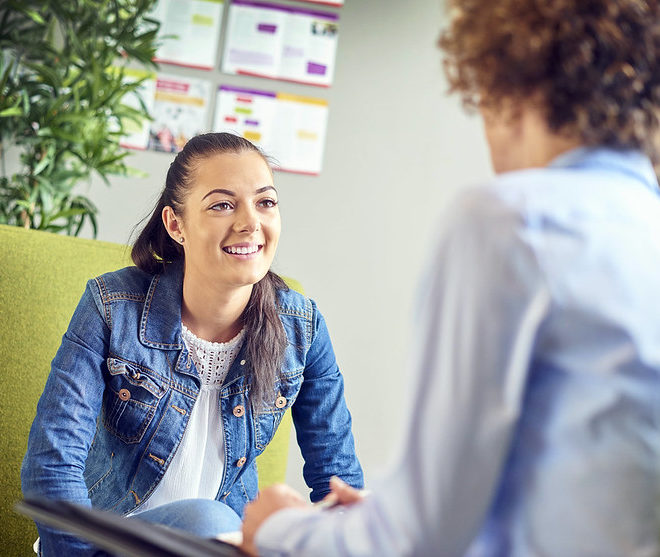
(42, 277)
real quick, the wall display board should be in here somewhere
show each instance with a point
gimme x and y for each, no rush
(289, 128)
(195, 25)
(180, 111)
(326, 2)
(137, 135)
(281, 42)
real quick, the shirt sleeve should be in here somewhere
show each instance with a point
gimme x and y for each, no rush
(65, 423)
(322, 419)
(482, 302)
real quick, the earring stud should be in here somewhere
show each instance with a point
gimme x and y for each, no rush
(181, 239)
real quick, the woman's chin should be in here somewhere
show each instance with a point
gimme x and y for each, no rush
(247, 279)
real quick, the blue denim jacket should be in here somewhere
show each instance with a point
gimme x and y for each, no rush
(92, 444)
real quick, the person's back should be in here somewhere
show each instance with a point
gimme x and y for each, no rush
(534, 426)
(587, 444)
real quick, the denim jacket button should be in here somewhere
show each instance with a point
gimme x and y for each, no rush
(242, 362)
(241, 461)
(239, 410)
(280, 402)
(124, 394)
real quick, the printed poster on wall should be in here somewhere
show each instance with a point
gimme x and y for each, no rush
(289, 128)
(180, 112)
(192, 28)
(281, 42)
(326, 2)
(137, 135)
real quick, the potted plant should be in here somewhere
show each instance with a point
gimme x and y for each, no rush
(62, 102)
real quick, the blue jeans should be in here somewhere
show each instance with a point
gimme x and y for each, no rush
(204, 517)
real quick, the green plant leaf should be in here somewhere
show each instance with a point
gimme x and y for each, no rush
(34, 16)
(47, 74)
(23, 204)
(11, 111)
(46, 159)
(68, 213)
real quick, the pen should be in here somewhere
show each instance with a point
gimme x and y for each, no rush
(328, 502)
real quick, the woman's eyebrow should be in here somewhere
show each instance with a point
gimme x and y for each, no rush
(220, 190)
(233, 194)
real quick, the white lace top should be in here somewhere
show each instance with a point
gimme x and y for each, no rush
(212, 359)
(197, 467)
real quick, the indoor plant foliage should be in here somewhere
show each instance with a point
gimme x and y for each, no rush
(62, 95)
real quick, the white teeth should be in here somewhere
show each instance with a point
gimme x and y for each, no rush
(242, 250)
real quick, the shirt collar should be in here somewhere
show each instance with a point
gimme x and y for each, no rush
(631, 162)
(160, 325)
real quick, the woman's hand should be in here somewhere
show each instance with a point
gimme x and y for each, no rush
(269, 501)
(343, 494)
(280, 496)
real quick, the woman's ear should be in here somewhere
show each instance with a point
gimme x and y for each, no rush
(172, 224)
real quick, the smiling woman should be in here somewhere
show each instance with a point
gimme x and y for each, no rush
(174, 375)
(230, 233)
(219, 198)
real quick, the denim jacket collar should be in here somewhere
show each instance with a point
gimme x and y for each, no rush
(160, 325)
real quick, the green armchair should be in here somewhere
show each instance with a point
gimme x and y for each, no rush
(42, 277)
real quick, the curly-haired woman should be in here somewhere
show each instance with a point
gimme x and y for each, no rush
(535, 427)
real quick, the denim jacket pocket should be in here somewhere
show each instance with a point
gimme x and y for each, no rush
(131, 399)
(270, 415)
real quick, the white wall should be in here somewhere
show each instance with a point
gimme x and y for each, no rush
(358, 235)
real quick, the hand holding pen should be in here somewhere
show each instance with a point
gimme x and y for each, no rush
(341, 494)
(279, 496)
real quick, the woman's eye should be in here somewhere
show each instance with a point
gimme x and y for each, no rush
(222, 206)
(267, 203)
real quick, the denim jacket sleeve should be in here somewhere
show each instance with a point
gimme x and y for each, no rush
(322, 419)
(65, 423)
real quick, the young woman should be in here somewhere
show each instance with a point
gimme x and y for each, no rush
(174, 374)
(535, 428)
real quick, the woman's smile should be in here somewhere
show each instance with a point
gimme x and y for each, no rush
(243, 250)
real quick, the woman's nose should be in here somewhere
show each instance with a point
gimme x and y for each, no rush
(247, 220)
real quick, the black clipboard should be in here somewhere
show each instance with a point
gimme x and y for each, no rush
(120, 535)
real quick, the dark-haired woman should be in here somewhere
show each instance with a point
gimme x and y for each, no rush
(174, 374)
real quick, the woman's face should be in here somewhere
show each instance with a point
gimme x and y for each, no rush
(231, 221)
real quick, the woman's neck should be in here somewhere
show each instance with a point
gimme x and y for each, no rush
(519, 137)
(213, 313)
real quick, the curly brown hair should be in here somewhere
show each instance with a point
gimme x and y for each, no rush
(593, 64)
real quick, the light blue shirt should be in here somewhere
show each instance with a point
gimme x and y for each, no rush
(534, 427)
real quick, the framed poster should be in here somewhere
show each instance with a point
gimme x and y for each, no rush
(326, 2)
(190, 31)
(281, 42)
(289, 128)
(180, 111)
(137, 135)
